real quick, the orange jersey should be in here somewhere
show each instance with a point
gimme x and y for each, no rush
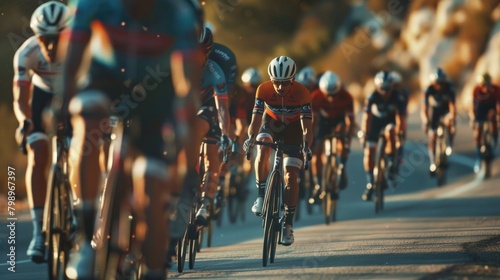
(332, 107)
(296, 104)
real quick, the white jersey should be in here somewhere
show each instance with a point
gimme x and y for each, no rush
(31, 66)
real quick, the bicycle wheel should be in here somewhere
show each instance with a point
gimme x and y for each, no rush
(270, 209)
(54, 236)
(193, 244)
(277, 223)
(182, 246)
(379, 173)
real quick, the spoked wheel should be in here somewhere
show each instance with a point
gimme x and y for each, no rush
(193, 244)
(271, 225)
(182, 246)
(57, 257)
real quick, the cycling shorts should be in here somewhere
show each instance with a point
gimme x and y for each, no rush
(376, 127)
(290, 134)
(41, 101)
(208, 112)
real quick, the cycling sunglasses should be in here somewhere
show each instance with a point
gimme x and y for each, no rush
(281, 82)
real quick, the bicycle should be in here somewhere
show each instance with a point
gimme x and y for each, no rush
(117, 252)
(441, 154)
(331, 176)
(58, 219)
(273, 207)
(381, 172)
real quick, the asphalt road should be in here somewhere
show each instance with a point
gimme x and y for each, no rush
(424, 232)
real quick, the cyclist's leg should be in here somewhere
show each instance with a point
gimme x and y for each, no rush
(343, 150)
(390, 149)
(210, 181)
(369, 156)
(318, 158)
(432, 135)
(262, 164)
(293, 162)
(211, 161)
(492, 118)
(37, 144)
(89, 110)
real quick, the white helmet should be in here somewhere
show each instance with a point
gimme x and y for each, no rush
(306, 76)
(396, 77)
(329, 83)
(281, 68)
(383, 81)
(50, 18)
(251, 76)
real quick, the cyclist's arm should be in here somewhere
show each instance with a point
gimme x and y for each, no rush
(241, 125)
(21, 87)
(349, 117)
(367, 117)
(258, 112)
(425, 109)
(306, 123)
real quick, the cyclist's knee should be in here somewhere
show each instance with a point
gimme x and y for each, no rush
(91, 106)
(264, 137)
(38, 146)
(148, 167)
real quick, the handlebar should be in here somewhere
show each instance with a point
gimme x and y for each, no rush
(281, 146)
(225, 153)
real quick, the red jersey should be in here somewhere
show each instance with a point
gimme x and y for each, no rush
(336, 106)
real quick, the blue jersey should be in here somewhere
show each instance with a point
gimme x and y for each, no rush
(439, 100)
(131, 49)
(219, 73)
(385, 110)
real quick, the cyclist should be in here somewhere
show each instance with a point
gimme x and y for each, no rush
(333, 109)
(282, 111)
(486, 108)
(384, 113)
(213, 121)
(36, 62)
(404, 95)
(240, 110)
(308, 78)
(145, 57)
(440, 101)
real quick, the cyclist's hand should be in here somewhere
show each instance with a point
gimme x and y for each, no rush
(307, 153)
(225, 143)
(22, 132)
(248, 146)
(425, 126)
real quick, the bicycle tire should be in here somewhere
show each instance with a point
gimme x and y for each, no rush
(276, 224)
(327, 188)
(182, 246)
(270, 207)
(193, 244)
(53, 233)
